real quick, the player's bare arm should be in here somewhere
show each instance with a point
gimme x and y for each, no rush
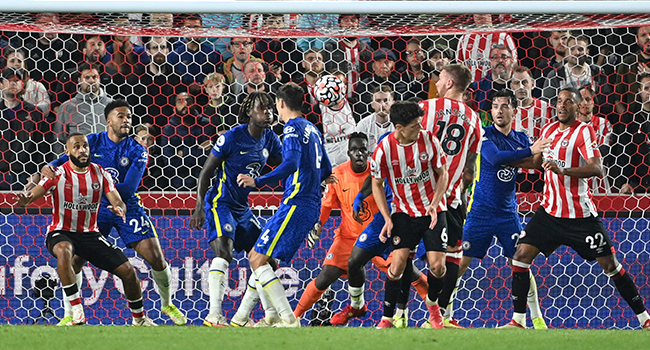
(117, 205)
(594, 167)
(380, 198)
(441, 187)
(24, 199)
(470, 168)
(198, 216)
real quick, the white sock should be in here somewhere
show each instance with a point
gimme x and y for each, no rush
(66, 300)
(356, 296)
(643, 317)
(162, 279)
(401, 313)
(519, 318)
(533, 299)
(248, 302)
(429, 302)
(217, 284)
(275, 291)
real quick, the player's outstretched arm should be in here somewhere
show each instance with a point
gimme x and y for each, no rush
(441, 188)
(289, 166)
(534, 161)
(198, 216)
(117, 205)
(380, 198)
(24, 199)
(594, 167)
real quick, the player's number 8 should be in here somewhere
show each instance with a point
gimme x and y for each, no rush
(454, 135)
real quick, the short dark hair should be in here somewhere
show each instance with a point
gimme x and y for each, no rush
(357, 135)
(405, 112)
(180, 18)
(592, 92)
(643, 76)
(575, 91)
(264, 98)
(460, 74)
(383, 88)
(115, 104)
(292, 94)
(83, 66)
(73, 135)
(506, 93)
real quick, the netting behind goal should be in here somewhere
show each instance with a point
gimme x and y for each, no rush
(144, 58)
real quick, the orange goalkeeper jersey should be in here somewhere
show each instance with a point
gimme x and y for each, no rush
(341, 195)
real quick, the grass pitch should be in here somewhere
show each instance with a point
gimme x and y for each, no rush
(194, 337)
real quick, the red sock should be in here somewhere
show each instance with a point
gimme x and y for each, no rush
(421, 286)
(308, 298)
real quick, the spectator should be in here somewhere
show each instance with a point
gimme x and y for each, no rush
(416, 72)
(34, 92)
(553, 54)
(632, 147)
(124, 55)
(233, 68)
(338, 123)
(574, 72)
(502, 63)
(192, 59)
(603, 129)
(438, 58)
(21, 132)
(217, 110)
(634, 64)
(312, 67)
(185, 143)
(84, 113)
(383, 73)
(378, 123)
(280, 54)
(254, 73)
(153, 172)
(474, 49)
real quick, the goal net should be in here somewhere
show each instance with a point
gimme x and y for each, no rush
(185, 76)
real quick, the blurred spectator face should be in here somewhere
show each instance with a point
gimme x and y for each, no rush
(89, 81)
(47, 19)
(213, 90)
(349, 21)
(501, 62)
(522, 85)
(557, 40)
(184, 103)
(144, 138)
(313, 63)
(192, 23)
(158, 49)
(381, 102)
(587, 103)
(643, 39)
(16, 60)
(644, 91)
(274, 22)
(577, 52)
(414, 55)
(254, 72)
(95, 49)
(439, 60)
(483, 19)
(12, 87)
(241, 48)
(162, 20)
(383, 67)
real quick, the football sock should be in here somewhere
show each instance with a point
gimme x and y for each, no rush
(643, 317)
(162, 279)
(308, 298)
(452, 263)
(421, 285)
(520, 285)
(392, 291)
(519, 318)
(137, 309)
(356, 296)
(448, 312)
(435, 286)
(249, 300)
(405, 289)
(66, 301)
(533, 299)
(275, 291)
(217, 280)
(72, 295)
(267, 305)
(627, 289)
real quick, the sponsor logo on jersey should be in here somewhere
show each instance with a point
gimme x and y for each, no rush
(124, 161)
(114, 174)
(288, 129)
(411, 179)
(242, 152)
(97, 155)
(506, 174)
(81, 207)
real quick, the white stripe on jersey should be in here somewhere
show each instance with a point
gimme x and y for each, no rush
(474, 51)
(75, 192)
(531, 120)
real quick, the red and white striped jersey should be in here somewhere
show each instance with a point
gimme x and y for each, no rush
(410, 171)
(459, 130)
(76, 197)
(603, 129)
(531, 120)
(568, 196)
(474, 51)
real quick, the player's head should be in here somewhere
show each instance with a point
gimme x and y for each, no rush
(568, 102)
(77, 149)
(289, 99)
(382, 100)
(522, 83)
(407, 118)
(504, 107)
(257, 109)
(358, 151)
(587, 105)
(644, 90)
(118, 118)
(454, 77)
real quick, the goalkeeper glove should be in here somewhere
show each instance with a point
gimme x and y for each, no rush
(314, 235)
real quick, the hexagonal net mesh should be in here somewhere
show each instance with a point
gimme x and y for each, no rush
(186, 75)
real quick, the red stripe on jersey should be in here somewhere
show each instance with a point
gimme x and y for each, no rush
(531, 120)
(568, 196)
(603, 129)
(459, 129)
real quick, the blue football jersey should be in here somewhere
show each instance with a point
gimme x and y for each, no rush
(241, 153)
(304, 184)
(495, 184)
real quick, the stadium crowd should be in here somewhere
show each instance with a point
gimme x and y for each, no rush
(186, 91)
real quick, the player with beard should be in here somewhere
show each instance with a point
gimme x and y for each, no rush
(125, 159)
(77, 188)
(501, 65)
(230, 223)
(627, 82)
(603, 130)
